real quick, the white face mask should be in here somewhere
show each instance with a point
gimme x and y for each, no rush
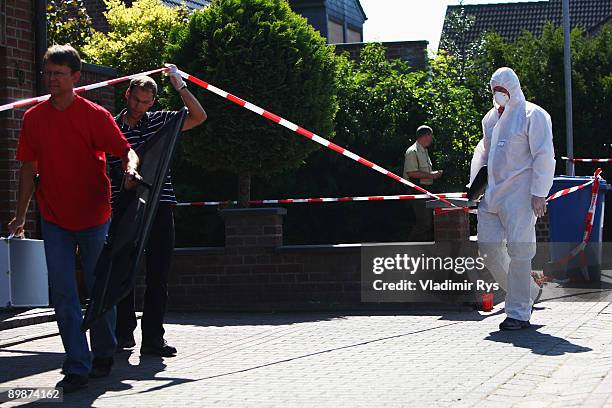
(501, 98)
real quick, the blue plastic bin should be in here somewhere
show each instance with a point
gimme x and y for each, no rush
(566, 214)
(566, 224)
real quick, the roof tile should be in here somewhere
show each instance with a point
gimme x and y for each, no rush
(510, 19)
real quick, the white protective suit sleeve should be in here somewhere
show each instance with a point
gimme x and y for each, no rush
(542, 151)
(481, 152)
(479, 159)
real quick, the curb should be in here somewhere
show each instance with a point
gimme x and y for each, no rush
(27, 318)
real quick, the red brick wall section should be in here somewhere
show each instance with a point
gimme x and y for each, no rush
(542, 229)
(17, 81)
(96, 9)
(254, 271)
(275, 279)
(452, 226)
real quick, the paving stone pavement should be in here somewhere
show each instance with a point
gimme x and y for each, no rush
(449, 359)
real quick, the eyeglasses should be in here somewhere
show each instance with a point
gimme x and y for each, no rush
(57, 74)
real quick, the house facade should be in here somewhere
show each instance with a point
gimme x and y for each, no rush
(340, 21)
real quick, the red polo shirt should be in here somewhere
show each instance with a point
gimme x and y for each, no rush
(69, 146)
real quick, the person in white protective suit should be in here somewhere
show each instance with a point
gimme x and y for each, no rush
(517, 147)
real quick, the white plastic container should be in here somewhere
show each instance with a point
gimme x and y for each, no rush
(24, 280)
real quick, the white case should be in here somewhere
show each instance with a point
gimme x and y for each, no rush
(24, 278)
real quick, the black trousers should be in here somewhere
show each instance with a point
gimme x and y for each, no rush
(158, 254)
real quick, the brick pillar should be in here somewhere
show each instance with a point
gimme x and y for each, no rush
(17, 81)
(451, 225)
(253, 227)
(542, 229)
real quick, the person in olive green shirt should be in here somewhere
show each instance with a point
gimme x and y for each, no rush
(417, 166)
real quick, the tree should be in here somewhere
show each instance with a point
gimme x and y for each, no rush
(538, 62)
(265, 53)
(136, 37)
(383, 102)
(466, 59)
(68, 23)
(454, 41)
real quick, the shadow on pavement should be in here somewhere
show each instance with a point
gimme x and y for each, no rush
(15, 367)
(225, 319)
(472, 316)
(538, 343)
(147, 369)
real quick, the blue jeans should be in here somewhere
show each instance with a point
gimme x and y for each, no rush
(60, 250)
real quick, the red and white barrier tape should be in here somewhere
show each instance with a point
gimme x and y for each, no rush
(554, 196)
(306, 133)
(38, 99)
(588, 160)
(437, 211)
(322, 200)
(588, 228)
(570, 190)
(440, 211)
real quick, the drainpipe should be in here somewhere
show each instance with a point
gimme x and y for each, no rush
(40, 40)
(567, 64)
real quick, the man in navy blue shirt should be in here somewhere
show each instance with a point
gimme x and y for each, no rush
(138, 125)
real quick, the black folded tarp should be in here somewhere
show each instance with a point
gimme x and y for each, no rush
(133, 215)
(479, 185)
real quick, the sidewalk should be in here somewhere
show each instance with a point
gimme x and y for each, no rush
(330, 360)
(20, 317)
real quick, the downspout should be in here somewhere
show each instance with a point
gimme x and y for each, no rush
(344, 23)
(40, 40)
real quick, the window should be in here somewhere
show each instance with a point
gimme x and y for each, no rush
(335, 32)
(353, 36)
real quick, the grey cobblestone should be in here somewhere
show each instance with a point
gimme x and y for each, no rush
(329, 360)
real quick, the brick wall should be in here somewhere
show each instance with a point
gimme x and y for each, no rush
(96, 9)
(17, 81)
(412, 52)
(542, 229)
(452, 226)
(254, 271)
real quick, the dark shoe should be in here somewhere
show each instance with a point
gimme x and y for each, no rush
(537, 299)
(101, 367)
(72, 382)
(125, 342)
(513, 324)
(161, 349)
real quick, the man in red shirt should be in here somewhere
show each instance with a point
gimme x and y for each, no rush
(64, 141)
